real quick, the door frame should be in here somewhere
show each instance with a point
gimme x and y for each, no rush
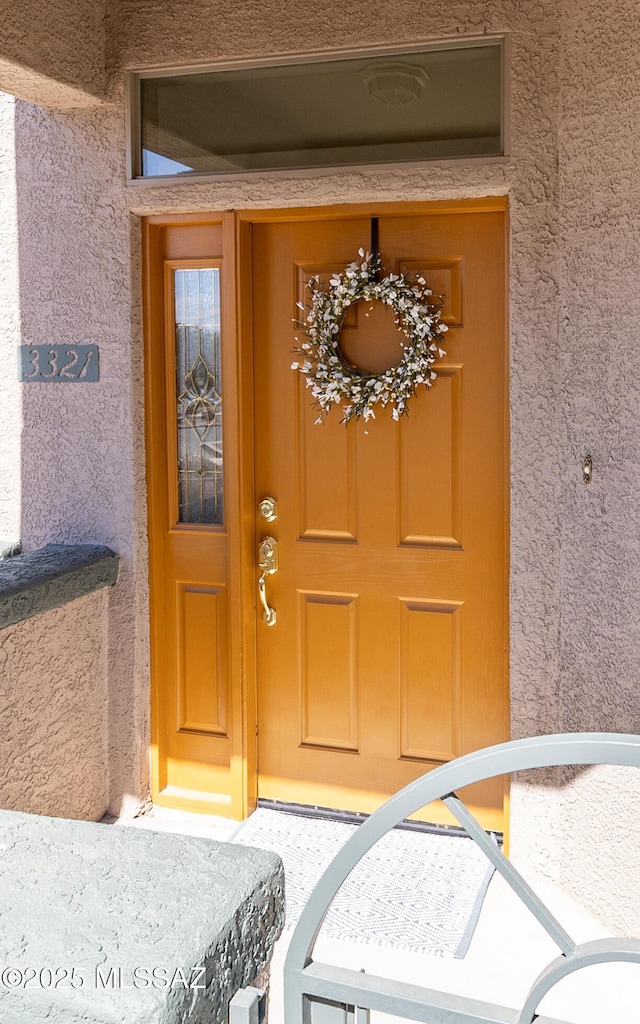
(238, 429)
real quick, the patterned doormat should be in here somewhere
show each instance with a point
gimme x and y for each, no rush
(412, 891)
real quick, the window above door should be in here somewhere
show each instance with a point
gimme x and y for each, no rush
(438, 101)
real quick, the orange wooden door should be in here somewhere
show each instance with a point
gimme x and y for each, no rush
(388, 654)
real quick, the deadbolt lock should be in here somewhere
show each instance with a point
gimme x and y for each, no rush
(268, 509)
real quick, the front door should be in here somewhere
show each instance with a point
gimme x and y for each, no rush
(388, 653)
(387, 656)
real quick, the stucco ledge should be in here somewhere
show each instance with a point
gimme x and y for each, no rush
(37, 581)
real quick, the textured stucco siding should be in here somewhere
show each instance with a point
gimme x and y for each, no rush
(584, 825)
(53, 688)
(574, 357)
(599, 811)
(10, 397)
(83, 467)
(54, 52)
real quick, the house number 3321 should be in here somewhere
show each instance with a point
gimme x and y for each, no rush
(43, 364)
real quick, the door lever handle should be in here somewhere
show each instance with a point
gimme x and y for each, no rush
(269, 614)
(268, 563)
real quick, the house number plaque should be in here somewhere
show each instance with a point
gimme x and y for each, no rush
(41, 364)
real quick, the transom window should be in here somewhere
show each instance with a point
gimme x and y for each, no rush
(439, 102)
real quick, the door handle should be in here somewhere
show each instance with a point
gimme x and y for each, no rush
(268, 563)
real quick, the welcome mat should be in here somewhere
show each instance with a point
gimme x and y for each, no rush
(412, 891)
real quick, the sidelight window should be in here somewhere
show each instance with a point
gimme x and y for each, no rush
(199, 395)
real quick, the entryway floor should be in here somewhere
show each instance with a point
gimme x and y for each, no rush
(507, 951)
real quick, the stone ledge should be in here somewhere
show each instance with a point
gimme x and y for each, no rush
(37, 581)
(116, 904)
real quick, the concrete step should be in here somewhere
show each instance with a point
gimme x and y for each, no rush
(128, 926)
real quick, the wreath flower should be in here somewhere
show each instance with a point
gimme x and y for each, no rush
(334, 381)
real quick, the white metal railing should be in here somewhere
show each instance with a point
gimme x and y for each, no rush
(316, 993)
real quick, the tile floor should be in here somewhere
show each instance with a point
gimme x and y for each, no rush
(508, 949)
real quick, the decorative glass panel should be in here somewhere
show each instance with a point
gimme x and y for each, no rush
(432, 104)
(199, 394)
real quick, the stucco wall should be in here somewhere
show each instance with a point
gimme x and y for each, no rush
(574, 621)
(585, 823)
(10, 398)
(82, 470)
(600, 637)
(53, 53)
(53, 687)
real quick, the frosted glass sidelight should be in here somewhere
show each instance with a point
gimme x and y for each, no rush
(199, 395)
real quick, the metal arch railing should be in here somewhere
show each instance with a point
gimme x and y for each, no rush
(317, 993)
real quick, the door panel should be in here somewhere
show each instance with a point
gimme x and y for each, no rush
(429, 513)
(328, 681)
(429, 690)
(388, 655)
(202, 635)
(326, 505)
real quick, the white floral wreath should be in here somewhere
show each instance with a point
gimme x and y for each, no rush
(329, 375)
